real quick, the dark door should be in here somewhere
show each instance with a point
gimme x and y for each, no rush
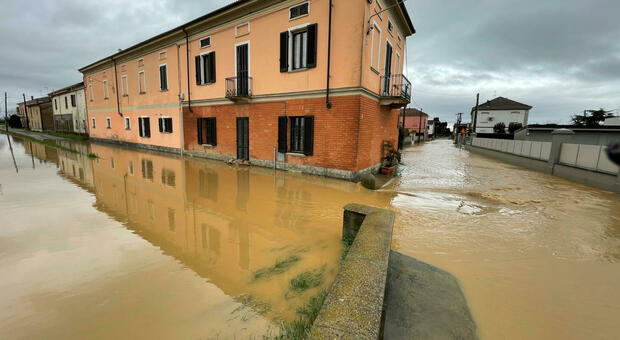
(243, 70)
(243, 138)
(388, 70)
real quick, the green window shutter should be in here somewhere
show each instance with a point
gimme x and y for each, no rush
(311, 50)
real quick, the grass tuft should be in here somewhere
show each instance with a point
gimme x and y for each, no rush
(347, 241)
(67, 135)
(300, 328)
(278, 268)
(307, 280)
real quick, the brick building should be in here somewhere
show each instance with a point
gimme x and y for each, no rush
(296, 82)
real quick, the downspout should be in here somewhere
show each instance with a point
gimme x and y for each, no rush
(329, 52)
(189, 96)
(118, 102)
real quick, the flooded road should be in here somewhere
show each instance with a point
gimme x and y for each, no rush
(538, 256)
(137, 244)
(146, 245)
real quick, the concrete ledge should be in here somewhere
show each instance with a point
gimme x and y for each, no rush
(353, 308)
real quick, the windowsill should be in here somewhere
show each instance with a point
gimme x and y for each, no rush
(298, 70)
(205, 46)
(205, 84)
(296, 154)
(106, 98)
(125, 95)
(141, 92)
(166, 133)
(166, 90)
(373, 69)
(207, 145)
(295, 18)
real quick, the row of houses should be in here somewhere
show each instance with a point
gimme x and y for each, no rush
(312, 85)
(63, 110)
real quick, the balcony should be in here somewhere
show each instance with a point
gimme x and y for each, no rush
(395, 90)
(239, 88)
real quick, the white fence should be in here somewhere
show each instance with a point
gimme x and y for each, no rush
(591, 157)
(529, 149)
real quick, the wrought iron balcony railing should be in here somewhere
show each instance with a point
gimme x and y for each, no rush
(396, 86)
(239, 87)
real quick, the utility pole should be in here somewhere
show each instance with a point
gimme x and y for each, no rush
(26, 112)
(6, 114)
(420, 126)
(476, 113)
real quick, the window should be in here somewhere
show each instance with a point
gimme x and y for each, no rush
(123, 68)
(390, 27)
(375, 47)
(168, 177)
(127, 123)
(162, 55)
(301, 135)
(207, 131)
(298, 48)
(299, 10)
(141, 82)
(205, 42)
(163, 77)
(130, 167)
(205, 68)
(147, 169)
(145, 127)
(55, 104)
(165, 125)
(108, 123)
(112, 162)
(93, 120)
(90, 92)
(242, 29)
(73, 102)
(105, 89)
(66, 102)
(124, 86)
(140, 62)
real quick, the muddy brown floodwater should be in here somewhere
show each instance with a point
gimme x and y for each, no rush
(538, 257)
(146, 245)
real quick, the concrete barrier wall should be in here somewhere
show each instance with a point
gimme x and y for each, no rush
(589, 157)
(353, 308)
(529, 149)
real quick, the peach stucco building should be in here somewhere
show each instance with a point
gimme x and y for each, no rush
(302, 84)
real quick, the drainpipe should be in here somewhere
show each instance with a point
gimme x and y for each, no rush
(118, 102)
(329, 51)
(189, 97)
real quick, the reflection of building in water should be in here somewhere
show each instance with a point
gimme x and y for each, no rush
(40, 151)
(77, 167)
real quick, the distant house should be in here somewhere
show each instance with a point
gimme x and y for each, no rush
(499, 110)
(69, 107)
(39, 112)
(415, 121)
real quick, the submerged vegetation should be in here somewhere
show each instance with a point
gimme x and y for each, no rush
(300, 328)
(278, 268)
(347, 241)
(307, 280)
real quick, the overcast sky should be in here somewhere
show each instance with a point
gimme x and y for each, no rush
(559, 56)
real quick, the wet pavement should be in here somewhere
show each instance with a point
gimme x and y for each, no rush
(138, 244)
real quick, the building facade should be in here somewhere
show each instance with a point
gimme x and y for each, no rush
(69, 107)
(40, 114)
(262, 81)
(416, 122)
(499, 110)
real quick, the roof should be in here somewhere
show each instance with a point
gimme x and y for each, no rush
(38, 101)
(551, 127)
(69, 88)
(501, 103)
(414, 113)
(180, 29)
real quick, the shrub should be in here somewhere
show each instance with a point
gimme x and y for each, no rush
(499, 128)
(513, 127)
